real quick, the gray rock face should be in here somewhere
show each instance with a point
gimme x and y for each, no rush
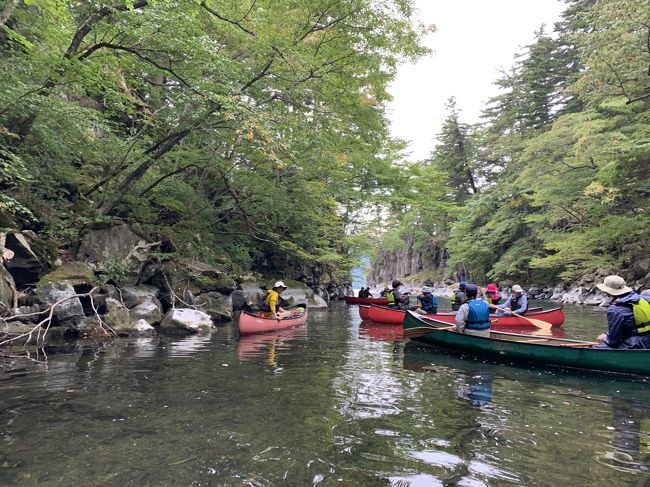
(98, 245)
(186, 320)
(70, 312)
(7, 286)
(24, 265)
(117, 316)
(149, 311)
(215, 304)
(135, 295)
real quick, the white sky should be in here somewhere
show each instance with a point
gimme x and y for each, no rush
(474, 40)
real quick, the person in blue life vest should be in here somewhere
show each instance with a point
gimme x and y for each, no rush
(272, 308)
(628, 317)
(473, 316)
(394, 297)
(428, 302)
(458, 297)
(517, 302)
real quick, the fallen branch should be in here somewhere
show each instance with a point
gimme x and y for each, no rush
(43, 326)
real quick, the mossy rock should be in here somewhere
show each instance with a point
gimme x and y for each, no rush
(73, 272)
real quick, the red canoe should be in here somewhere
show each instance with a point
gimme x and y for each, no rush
(355, 300)
(250, 323)
(363, 312)
(384, 314)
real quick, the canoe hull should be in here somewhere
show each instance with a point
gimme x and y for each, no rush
(250, 323)
(363, 312)
(355, 300)
(384, 314)
(509, 346)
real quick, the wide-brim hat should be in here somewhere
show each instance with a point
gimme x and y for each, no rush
(614, 285)
(517, 289)
(279, 284)
(491, 288)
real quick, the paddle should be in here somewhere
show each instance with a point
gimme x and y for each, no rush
(544, 325)
(419, 331)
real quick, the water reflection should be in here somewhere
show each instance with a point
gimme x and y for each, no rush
(270, 345)
(189, 345)
(374, 331)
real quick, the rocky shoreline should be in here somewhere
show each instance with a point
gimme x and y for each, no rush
(117, 284)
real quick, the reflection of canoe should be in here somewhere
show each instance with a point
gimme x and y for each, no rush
(384, 314)
(252, 323)
(355, 300)
(528, 348)
(255, 345)
(386, 333)
(363, 311)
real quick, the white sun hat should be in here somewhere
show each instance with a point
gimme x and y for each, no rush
(279, 284)
(614, 285)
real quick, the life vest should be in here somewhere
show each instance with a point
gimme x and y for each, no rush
(392, 300)
(641, 312)
(478, 317)
(493, 297)
(514, 303)
(457, 299)
(266, 306)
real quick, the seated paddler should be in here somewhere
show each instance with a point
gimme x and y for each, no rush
(628, 317)
(473, 317)
(272, 308)
(517, 302)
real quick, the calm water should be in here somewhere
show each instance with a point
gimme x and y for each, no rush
(334, 403)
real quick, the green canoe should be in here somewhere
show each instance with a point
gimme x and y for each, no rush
(528, 348)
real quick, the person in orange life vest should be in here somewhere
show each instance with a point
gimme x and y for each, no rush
(628, 317)
(273, 308)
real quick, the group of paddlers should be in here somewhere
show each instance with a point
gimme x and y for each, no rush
(628, 313)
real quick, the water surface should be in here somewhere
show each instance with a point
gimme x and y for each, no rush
(336, 402)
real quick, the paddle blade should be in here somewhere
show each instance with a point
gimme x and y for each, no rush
(544, 325)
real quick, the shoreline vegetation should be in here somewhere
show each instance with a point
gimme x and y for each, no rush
(156, 159)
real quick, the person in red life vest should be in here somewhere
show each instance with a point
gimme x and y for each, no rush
(473, 317)
(628, 317)
(492, 295)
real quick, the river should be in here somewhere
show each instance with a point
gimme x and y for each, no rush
(334, 403)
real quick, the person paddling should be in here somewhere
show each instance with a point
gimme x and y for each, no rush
(428, 302)
(628, 317)
(473, 317)
(492, 296)
(272, 308)
(517, 303)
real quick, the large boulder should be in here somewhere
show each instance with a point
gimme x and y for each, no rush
(102, 244)
(73, 272)
(69, 312)
(132, 296)
(186, 320)
(215, 304)
(23, 262)
(149, 310)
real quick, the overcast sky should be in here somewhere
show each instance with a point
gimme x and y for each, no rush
(475, 38)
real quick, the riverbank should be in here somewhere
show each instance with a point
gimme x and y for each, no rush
(117, 283)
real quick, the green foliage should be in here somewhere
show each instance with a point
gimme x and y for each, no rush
(114, 270)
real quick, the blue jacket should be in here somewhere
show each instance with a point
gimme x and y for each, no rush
(621, 328)
(428, 303)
